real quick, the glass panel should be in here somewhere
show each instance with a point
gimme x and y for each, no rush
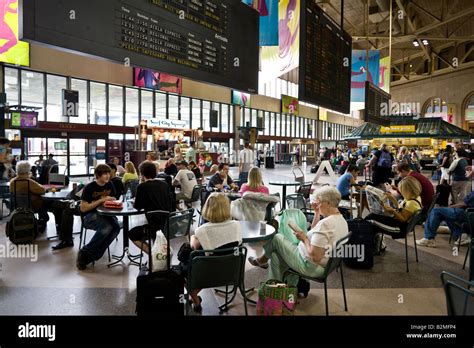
(116, 147)
(185, 110)
(78, 157)
(206, 109)
(232, 119)
(81, 86)
(196, 114)
(34, 147)
(32, 91)
(54, 89)
(132, 112)
(160, 103)
(215, 107)
(58, 147)
(147, 105)
(115, 106)
(98, 104)
(247, 116)
(173, 107)
(225, 118)
(278, 125)
(11, 86)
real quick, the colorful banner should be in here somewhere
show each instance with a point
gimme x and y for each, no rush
(155, 80)
(290, 105)
(277, 61)
(451, 113)
(385, 76)
(269, 23)
(360, 75)
(240, 98)
(12, 50)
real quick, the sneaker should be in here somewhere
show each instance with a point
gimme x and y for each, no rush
(82, 260)
(430, 243)
(465, 239)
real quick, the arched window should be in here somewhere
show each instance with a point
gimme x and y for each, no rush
(435, 107)
(469, 107)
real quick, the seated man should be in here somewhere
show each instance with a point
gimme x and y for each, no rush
(117, 181)
(186, 179)
(220, 180)
(454, 216)
(152, 194)
(427, 190)
(345, 181)
(107, 228)
(63, 214)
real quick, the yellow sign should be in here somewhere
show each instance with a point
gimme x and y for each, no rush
(398, 129)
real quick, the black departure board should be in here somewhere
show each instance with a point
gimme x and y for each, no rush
(325, 60)
(377, 105)
(214, 41)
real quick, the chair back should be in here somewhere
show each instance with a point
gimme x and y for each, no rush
(208, 269)
(427, 212)
(337, 255)
(196, 194)
(305, 189)
(459, 296)
(470, 220)
(414, 220)
(299, 175)
(20, 199)
(270, 213)
(173, 224)
(57, 179)
(295, 201)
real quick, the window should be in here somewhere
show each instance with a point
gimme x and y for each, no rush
(132, 111)
(206, 109)
(32, 91)
(185, 110)
(11, 86)
(147, 105)
(246, 117)
(98, 112)
(278, 125)
(160, 103)
(196, 114)
(173, 107)
(81, 87)
(232, 120)
(225, 118)
(54, 89)
(115, 106)
(215, 107)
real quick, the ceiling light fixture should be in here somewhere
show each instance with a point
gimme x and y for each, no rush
(416, 43)
(425, 42)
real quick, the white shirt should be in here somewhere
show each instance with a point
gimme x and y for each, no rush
(187, 180)
(214, 235)
(247, 157)
(324, 235)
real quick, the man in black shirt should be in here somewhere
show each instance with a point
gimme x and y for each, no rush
(117, 181)
(152, 194)
(221, 180)
(107, 228)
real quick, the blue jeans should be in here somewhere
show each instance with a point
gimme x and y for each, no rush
(107, 229)
(243, 178)
(454, 217)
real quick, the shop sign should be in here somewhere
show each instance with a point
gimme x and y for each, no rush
(398, 129)
(164, 123)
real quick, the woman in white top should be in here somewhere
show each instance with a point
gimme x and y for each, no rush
(219, 232)
(309, 256)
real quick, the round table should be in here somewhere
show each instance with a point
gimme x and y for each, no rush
(127, 211)
(56, 196)
(253, 232)
(284, 184)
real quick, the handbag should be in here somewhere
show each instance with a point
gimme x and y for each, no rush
(184, 253)
(276, 299)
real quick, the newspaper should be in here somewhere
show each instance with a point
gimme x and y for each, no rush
(376, 198)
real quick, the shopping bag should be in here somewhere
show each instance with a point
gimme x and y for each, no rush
(159, 253)
(276, 298)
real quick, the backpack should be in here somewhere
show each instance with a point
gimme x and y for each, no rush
(385, 160)
(22, 227)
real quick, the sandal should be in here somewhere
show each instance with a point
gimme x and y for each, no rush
(197, 307)
(254, 262)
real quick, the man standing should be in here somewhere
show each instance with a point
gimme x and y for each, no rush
(107, 228)
(246, 160)
(381, 163)
(186, 179)
(191, 153)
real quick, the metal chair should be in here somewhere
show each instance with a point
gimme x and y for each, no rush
(411, 225)
(217, 268)
(83, 238)
(334, 263)
(131, 185)
(297, 201)
(299, 175)
(195, 195)
(305, 190)
(459, 296)
(470, 219)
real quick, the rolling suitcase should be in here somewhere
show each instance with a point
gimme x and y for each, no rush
(444, 191)
(160, 293)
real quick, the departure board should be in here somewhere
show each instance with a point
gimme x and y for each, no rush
(376, 102)
(325, 60)
(214, 41)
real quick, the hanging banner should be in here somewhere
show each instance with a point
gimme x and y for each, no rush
(156, 80)
(269, 23)
(12, 50)
(385, 75)
(360, 74)
(290, 105)
(451, 112)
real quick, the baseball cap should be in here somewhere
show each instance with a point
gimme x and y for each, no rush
(184, 163)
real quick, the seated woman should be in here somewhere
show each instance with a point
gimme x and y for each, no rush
(308, 257)
(254, 183)
(130, 173)
(410, 189)
(219, 233)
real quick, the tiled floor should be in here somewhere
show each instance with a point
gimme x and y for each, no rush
(53, 285)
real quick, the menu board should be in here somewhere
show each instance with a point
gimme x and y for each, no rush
(376, 100)
(213, 41)
(325, 60)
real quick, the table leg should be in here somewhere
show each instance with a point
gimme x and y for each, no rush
(283, 205)
(125, 247)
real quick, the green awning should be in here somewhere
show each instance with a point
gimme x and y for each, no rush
(424, 128)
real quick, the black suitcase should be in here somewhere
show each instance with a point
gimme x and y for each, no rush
(444, 191)
(160, 293)
(363, 238)
(314, 168)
